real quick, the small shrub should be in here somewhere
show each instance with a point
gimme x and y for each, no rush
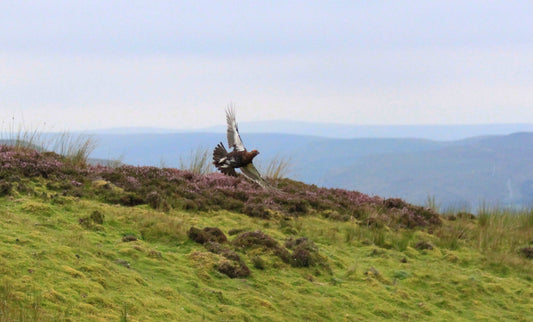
(258, 239)
(156, 201)
(128, 238)
(213, 247)
(304, 253)
(97, 217)
(254, 239)
(236, 231)
(215, 234)
(302, 242)
(5, 188)
(232, 204)
(131, 199)
(258, 262)
(93, 221)
(208, 234)
(527, 252)
(394, 203)
(197, 235)
(233, 269)
(257, 211)
(297, 206)
(301, 257)
(422, 245)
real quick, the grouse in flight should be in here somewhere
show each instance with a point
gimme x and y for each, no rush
(239, 157)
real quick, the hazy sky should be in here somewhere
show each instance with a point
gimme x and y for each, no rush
(177, 64)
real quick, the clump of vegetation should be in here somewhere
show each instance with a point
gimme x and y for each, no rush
(208, 234)
(75, 149)
(278, 168)
(129, 238)
(257, 210)
(233, 269)
(198, 161)
(411, 216)
(298, 252)
(423, 245)
(304, 253)
(263, 242)
(213, 239)
(253, 239)
(527, 252)
(6, 187)
(97, 217)
(93, 221)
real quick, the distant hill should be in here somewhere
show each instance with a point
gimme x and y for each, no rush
(347, 131)
(494, 170)
(461, 173)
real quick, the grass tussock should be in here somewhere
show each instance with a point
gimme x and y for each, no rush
(21, 136)
(198, 161)
(278, 168)
(75, 148)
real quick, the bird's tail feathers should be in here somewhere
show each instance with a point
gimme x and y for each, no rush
(219, 154)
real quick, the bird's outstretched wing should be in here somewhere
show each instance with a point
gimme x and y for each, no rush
(251, 172)
(234, 139)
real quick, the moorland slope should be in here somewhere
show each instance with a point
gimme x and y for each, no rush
(80, 242)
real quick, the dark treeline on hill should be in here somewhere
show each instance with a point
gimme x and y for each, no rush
(462, 174)
(168, 188)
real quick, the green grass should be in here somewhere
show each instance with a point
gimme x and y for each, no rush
(18, 134)
(53, 268)
(198, 161)
(75, 148)
(277, 168)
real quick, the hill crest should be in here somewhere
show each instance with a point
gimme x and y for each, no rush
(81, 242)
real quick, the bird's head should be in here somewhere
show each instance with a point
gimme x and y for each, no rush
(255, 152)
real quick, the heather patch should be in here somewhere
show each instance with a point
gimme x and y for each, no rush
(208, 234)
(164, 189)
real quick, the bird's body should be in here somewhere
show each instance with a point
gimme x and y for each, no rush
(228, 162)
(239, 157)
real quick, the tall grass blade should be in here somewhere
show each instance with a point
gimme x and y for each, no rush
(198, 161)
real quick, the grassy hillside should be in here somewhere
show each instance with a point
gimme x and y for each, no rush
(141, 243)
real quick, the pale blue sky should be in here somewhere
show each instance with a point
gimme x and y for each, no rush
(176, 64)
